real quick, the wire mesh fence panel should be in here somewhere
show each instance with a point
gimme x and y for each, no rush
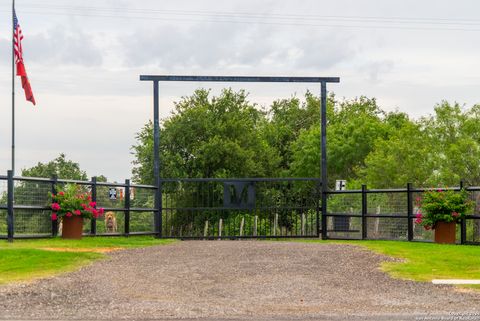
(387, 204)
(142, 197)
(110, 196)
(32, 193)
(142, 222)
(3, 223)
(3, 192)
(387, 228)
(32, 222)
(341, 224)
(473, 230)
(112, 222)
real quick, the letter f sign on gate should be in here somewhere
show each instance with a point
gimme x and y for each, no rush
(239, 195)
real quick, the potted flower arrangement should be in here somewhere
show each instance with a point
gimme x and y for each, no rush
(441, 210)
(71, 205)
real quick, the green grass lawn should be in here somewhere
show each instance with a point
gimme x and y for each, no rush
(25, 260)
(426, 261)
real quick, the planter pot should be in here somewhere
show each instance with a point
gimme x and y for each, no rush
(445, 232)
(72, 227)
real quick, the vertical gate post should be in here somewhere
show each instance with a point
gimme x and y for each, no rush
(127, 208)
(323, 111)
(10, 216)
(156, 161)
(463, 224)
(364, 212)
(409, 212)
(54, 192)
(93, 221)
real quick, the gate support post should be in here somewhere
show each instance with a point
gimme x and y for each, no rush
(156, 161)
(323, 111)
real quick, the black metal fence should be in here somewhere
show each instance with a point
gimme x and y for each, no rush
(390, 214)
(240, 208)
(227, 208)
(25, 207)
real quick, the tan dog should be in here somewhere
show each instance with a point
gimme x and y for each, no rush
(110, 222)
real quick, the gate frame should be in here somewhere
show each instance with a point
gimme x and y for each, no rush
(156, 129)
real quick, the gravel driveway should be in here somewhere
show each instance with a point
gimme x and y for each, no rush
(236, 280)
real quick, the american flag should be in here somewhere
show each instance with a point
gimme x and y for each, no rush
(17, 48)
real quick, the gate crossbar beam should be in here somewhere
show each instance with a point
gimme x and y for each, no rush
(239, 78)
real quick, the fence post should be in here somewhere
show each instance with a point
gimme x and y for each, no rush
(318, 200)
(93, 222)
(158, 208)
(127, 207)
(463, 224)
(10, 216)
(409, 212)
(364, 211)
(54, 192)
(324, 212)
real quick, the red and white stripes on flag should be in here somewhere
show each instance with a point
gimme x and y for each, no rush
(18, 51)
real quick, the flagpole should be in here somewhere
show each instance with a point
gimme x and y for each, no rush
(13, 89)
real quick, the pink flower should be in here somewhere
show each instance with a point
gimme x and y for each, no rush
(92, 204)
(68, 214)
(419, 215)
(455, 214)
(101, 211)
(84, 206)
(439, 190)
(55, 207)
(54, 216)
(61, 193)
(77, 212)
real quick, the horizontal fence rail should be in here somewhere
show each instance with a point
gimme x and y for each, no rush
(218, 208)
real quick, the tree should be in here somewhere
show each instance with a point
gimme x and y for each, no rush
(208, 137)
(287, 119)
(353, 127)
(455, 135)
(60, 167)
(404, 157)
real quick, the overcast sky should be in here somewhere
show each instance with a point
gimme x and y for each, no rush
(84, 59)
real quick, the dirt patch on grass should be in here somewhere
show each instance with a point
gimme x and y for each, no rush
(94, 250)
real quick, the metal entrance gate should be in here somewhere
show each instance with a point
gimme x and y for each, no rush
(241, 208)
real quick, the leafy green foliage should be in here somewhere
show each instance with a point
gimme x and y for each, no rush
(226, 136)
(208, 137)
(59, 167)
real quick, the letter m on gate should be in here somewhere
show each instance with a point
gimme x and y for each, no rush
(239, 195)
